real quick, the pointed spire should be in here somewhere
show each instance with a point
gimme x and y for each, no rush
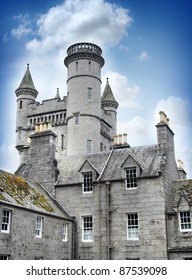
(27, 83)
(108, 97)
(57, 94)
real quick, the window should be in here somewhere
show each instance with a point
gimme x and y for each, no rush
(132, 226)
(62, 141)
(89, 146)
(89, 93)
(87, 227)
(89, 65)
(185, 221)
(87, 182)
(76, 118)
(20, 104)
(6, 220)
(130, 175)
(64, 232)
(39, 227)
(4, 257)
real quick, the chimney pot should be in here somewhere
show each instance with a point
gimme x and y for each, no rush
(163, 117)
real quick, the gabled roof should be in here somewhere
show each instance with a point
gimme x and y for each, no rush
(17, 191)
(27, 81)
(108, 95)
(181, 188)
(149, 158)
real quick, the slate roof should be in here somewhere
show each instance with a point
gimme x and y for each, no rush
(180, 188)
(107, 95)
(27, 81)
(109, 164)
(17, 191)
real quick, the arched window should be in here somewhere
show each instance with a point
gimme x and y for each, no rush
(76, 66)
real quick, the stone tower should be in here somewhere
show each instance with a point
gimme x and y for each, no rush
(84, 62)
(26, 93)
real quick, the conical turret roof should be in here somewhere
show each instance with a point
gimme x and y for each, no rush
(108, 96)
(27, 83)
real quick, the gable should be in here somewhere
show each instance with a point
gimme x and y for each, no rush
(183, 203)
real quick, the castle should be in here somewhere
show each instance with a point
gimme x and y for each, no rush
(113, 201)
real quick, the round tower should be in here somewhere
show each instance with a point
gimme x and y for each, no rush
(84, 62)
(26, 94)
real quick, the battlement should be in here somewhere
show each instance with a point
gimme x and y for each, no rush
(84, 51)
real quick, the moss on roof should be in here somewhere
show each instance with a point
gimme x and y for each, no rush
(16, 190)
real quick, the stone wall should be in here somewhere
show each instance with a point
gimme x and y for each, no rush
(21, 243)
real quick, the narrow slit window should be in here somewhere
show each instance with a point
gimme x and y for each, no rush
(20, 104)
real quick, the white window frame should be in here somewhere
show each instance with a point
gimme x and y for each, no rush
(185, 221)
(89, 146)
(88, 182)
(131, 178)
(87, 229)
(132, 226)
(65, 232)
(6, 221)
(89, 93)
(38, 227)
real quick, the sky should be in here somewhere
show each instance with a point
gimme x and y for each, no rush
(147, 50)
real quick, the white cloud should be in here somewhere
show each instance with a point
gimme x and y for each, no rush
(124, 93)
(24, 27)
(143, 56)
(137, 130)
(176, 109)
(9, 158)
(80, 20)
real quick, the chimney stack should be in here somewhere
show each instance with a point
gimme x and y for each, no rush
(182, 173)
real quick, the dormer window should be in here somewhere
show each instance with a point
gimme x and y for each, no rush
(131, 178)
(87, 182)
(185, 221)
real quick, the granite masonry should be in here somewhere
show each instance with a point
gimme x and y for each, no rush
(109, 200)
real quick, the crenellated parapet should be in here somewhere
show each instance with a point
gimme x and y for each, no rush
(84, 51)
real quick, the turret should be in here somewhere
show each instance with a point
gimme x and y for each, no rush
(84, 62)
(26, 93)
(110, 105)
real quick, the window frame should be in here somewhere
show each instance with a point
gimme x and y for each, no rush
(131, 180)
(89, 146)
(65, 232)
(89, 227)
(6, 223)
(132, 224)
(187, 223)
(87, 182)
(39, 229)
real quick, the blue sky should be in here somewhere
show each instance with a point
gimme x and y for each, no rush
(147, 49)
